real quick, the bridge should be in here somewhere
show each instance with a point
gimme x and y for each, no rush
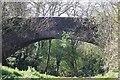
(20, 32)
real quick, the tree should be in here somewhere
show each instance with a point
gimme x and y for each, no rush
(24, 36)
(68, 54)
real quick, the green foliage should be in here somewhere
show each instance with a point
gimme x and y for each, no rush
(66, 58)
(28, 56)
(10, 73)
(15, 73)
(110, 74)
(92, 60)
(84, 64)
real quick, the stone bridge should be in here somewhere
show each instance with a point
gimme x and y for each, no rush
(20, 32)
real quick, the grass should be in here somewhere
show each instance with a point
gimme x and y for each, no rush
(32, 73)
(110, 74)
(16, 73)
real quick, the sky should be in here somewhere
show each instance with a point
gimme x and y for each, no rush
(63, 15)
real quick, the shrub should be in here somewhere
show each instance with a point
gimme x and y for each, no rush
(15, 73)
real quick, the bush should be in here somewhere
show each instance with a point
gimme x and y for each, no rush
(110, 74)
(15, 73)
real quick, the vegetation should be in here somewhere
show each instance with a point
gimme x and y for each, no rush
(16, 73)
(72, 55)
(32, 73)
(110, 74)
(64, 59)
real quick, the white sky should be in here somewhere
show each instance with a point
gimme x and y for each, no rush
(63, 15)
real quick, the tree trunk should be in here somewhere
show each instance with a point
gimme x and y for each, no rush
(31, 31)
(48, 56)
(57, 67)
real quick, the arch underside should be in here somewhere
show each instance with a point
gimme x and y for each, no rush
(42, 28)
